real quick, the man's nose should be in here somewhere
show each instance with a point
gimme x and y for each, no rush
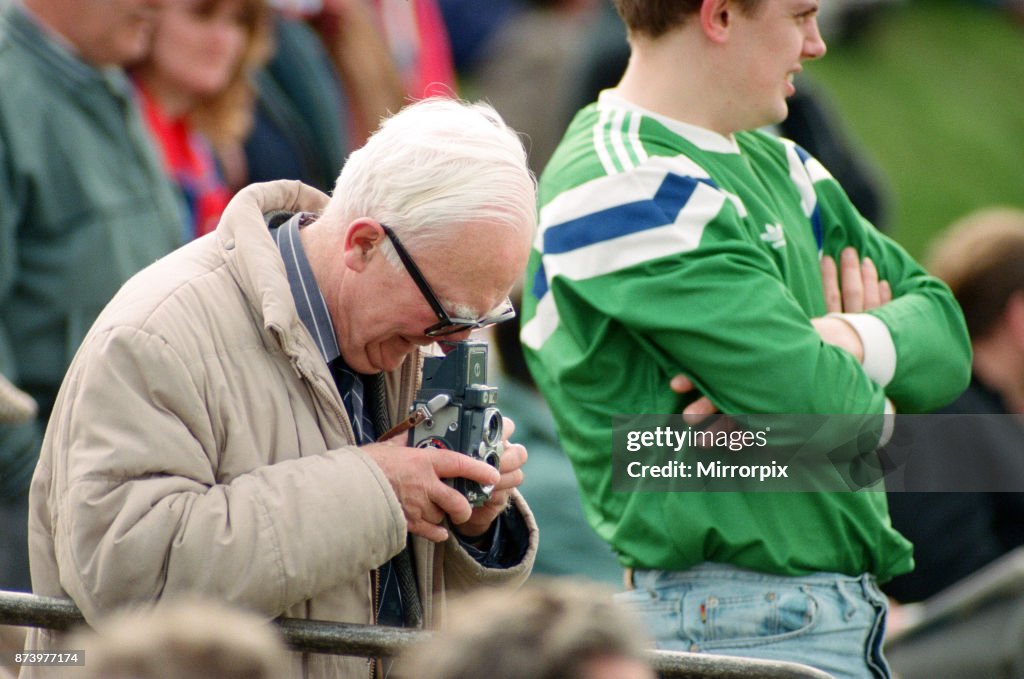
(814, 45)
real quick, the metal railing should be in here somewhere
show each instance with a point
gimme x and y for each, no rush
(342, 638)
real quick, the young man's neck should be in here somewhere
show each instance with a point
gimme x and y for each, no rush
(676, 78)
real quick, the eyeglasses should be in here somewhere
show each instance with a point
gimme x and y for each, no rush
(446, 325)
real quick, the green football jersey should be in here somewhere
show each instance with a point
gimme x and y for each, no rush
(665, 248)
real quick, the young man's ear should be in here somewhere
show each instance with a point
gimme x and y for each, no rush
(362, 237)
(716, 18)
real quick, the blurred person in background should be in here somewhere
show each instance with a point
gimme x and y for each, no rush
(530, 65)
(420, 46)
(549, 629)
(304, 118)
(181, 639)
(340, 66)
(197, 96)
(1014, 9)
(15, 405)
(981, 258)
(470, 30)
(85, 201)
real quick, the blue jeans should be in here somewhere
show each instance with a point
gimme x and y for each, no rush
(829, 621)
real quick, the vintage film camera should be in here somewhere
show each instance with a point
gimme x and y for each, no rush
(456, 410)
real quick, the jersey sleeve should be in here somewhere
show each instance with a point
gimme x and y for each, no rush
(672, 265)
(924, 321)
(677, 273)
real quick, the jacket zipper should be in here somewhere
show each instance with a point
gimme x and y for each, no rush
(325, 394)
(375, 586)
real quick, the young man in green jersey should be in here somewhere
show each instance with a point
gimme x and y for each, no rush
(674, 238)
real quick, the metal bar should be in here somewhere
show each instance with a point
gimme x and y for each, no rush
(29, 610)
(709, 666)
(343, 638)
(340, 638)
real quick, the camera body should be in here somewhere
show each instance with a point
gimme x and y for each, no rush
(469, 422)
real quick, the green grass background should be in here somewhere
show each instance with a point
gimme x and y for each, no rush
(933, 91)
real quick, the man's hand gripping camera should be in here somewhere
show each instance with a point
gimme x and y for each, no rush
(456, 410)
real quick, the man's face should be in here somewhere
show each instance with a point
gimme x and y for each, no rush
(110, 32)
(767, 50)
(382, 314)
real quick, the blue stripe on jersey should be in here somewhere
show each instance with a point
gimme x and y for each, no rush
(819, 230)
(622, 220)
(540, 282)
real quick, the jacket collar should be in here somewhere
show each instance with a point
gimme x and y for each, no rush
(309, 300)
(252, 256)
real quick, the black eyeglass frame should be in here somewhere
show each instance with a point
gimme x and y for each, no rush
(446, 324)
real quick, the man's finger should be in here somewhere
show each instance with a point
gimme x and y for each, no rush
(885, 292)
(869, 280)
(450, 501)
(449, 464)
(432, 514)
(681, 384)
(428, 530)
(513, 457)
(851, 283)
(698, 411)
(512, 479)
(508, 427)
(830, 285)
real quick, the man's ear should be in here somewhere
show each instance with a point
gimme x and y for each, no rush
(716, 18)
(361, 240)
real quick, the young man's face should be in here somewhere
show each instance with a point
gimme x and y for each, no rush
(768, 48)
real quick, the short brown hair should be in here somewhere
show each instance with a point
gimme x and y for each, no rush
(981, 258)
(654, 18)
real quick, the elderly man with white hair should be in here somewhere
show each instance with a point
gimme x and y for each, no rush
(217, 433)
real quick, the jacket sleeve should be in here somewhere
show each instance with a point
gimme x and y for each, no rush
(139, 510)
(462, 572)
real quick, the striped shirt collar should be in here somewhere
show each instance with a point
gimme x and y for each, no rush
(702, 138)
(309, 301)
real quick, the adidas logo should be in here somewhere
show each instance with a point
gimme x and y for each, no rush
(774, 235)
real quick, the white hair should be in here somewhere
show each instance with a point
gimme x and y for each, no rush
(436, 164)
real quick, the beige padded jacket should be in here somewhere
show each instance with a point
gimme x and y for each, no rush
(199, 446)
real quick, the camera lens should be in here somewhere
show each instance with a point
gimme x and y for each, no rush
(492, 457)
(492, 427)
